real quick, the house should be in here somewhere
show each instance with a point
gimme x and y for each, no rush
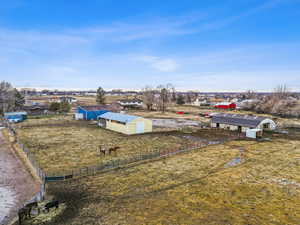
(201, 102)
(15, 117)
(92, 112)
(36, 109)
(126, 124)
(69, 100)
(241, 123)
(225, 105)
(131, 103)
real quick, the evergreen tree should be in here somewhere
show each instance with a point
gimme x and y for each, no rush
(180, 100)
(100, 99)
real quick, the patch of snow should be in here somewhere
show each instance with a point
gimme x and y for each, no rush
(7, 202)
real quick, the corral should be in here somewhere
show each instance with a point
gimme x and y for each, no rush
(62, 144)
(201, 187)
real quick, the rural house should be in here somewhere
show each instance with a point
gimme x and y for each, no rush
(126, 124)
(92, 112)
(241, 123)
(131, 103)
(36, 109)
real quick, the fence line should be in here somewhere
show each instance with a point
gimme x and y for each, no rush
(104, 166)
(113, 164)
(39, 172)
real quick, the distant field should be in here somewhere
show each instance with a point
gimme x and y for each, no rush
(201, 187)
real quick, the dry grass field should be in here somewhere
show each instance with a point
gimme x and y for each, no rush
(62, 144)
(200, 187)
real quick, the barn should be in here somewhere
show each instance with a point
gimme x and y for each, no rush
(241, 123)
(92, 112)
(225, 105)
(126, 124)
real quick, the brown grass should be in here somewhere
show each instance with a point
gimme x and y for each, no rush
(65, 148)
(196, 188)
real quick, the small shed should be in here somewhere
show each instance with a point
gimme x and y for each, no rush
(92, 112)
(15, 116)
(126, 124)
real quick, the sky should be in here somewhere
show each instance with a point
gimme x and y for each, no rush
(212, 45)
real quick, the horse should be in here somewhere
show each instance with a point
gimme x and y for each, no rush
(52, 204)
(23, 213)
(32, 205)
(102, 150)
(113, 149)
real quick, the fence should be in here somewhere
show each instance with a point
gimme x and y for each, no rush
(118, 163)
(105, 166)
(39, 172)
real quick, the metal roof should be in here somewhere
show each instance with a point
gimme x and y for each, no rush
(15, 113)
(118, 117)
(111, 107)
(238, 119)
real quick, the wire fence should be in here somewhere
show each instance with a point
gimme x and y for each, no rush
(38, 171)
(108, 165)
(119, 163)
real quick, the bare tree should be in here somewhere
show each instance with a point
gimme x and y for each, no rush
(281, 92)
(7, 97)
(149, 97)
(164, 99)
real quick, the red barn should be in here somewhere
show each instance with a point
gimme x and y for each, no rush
(225, 105)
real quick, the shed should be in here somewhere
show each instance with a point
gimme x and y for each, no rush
(225, 105)
(92, 112)
(15, 116)
(241, 122)
(126, 124)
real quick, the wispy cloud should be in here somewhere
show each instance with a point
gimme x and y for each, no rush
(159, 63)
(265, 5)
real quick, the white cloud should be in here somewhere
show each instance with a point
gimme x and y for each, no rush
(159, 63)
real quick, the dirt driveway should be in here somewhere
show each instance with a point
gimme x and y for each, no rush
(16, 184)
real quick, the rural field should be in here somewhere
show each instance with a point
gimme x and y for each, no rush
(238, 182)
(61, 144)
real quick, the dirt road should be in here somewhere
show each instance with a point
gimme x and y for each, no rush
(16, 184)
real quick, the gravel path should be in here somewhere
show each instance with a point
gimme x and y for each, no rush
(16, 184)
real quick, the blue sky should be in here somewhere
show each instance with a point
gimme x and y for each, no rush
(215, 45)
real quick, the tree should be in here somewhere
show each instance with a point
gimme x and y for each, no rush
(19, 100)
(281, 92)
(7, 97)
(100, 99)
(148, 97)
(64, 107)
(164, 92)
(54, 106)
(180, 100)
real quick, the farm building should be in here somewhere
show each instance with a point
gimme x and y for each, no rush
(15, 116)
(225, 105)
(126, 124)
(36, 109)
(92, 112)
(131, 103)
(241, 123)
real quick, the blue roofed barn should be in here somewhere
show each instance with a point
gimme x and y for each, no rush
(126, 124)
(92, 112)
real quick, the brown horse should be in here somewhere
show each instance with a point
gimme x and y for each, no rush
(113, 149)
